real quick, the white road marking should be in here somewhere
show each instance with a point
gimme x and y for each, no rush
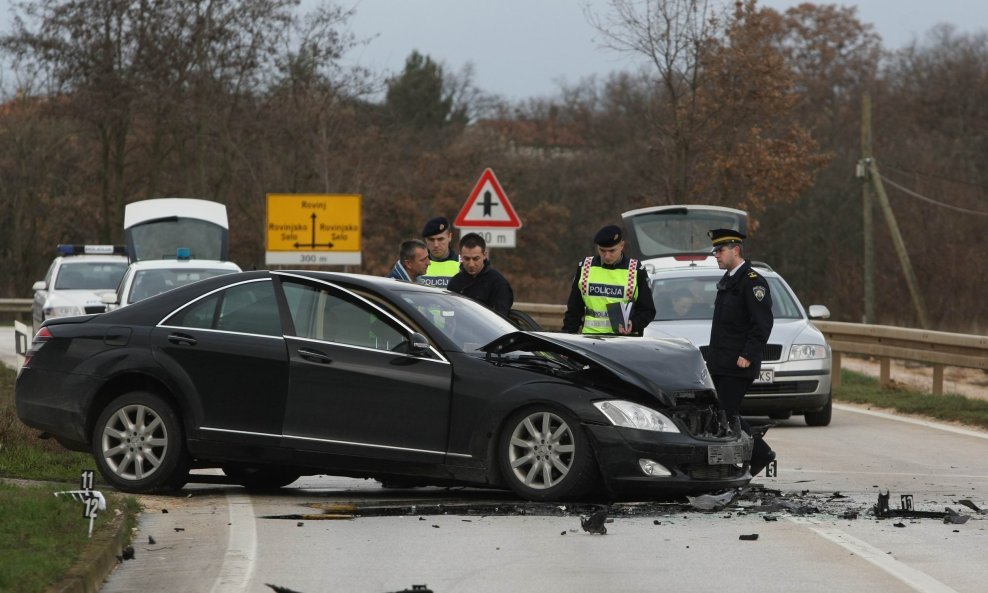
(919, 581)
(909, 420)
(241, 548)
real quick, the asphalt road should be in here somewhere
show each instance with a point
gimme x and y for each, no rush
(816, 531)
(222, 539)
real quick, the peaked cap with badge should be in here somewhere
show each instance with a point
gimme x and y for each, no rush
(723, 237)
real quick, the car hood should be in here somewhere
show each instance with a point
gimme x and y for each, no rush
(784, 331)
(656, 367)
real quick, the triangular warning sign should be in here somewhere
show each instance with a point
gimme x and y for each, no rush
(487, 206)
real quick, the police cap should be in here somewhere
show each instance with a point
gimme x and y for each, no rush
(435, 226)
(723, 237)
(609, 236)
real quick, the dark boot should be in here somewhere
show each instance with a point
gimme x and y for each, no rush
(761, 456)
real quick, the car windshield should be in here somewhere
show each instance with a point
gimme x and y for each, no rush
(148, 283)
(90, 275)
(468, 323)
(692, 298)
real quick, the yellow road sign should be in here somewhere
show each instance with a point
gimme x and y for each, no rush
(313, 222)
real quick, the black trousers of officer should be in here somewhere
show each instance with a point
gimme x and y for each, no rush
(730, 391)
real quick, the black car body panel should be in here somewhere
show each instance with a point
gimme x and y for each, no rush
(320, 374)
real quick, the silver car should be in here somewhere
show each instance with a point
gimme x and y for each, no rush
(795, 374)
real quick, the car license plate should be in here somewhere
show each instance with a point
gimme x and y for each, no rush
(765, 376)
(725, 454)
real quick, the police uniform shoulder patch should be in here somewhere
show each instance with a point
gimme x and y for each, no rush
(759, 292)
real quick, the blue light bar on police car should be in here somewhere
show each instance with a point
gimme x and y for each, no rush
(183, 253)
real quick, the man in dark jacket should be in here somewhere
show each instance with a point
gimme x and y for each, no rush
(741, 326)
(477, 279)
(607, 282)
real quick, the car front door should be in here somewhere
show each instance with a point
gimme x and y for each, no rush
(356, 389)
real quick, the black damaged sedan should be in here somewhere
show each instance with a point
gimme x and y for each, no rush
(274, 375)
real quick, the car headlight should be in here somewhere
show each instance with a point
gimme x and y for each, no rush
(63, 311)
(630, 415)
(807, 351)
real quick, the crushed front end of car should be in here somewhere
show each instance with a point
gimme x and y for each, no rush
(654, 421)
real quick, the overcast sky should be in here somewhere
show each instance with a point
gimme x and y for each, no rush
(523, 48)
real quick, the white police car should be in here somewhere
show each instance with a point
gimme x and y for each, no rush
(76, 280)
(145, 279)
(672, 241)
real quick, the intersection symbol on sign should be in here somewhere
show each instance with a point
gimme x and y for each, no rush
(488, 206)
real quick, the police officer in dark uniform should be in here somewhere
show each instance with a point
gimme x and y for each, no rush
(741, 326)
(604, 280)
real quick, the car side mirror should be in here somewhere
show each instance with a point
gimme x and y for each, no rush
(39, 285)
(819, 312)
(419, 343)
(108, 298)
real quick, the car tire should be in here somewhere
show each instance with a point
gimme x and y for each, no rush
(260, 478)
(139, 444)
(545, 455)
(822, 416)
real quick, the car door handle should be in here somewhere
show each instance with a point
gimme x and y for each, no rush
(182, 339)
(314, 356)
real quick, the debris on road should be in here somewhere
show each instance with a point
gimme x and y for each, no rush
(595, 522)
(748, 537)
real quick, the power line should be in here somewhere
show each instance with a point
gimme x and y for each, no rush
(934, 175)
(930, 200)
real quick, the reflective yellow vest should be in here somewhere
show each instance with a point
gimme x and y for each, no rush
(600, 286)
(439, 272)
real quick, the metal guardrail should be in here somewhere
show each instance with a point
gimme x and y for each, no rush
(15, 305)
(939, 349)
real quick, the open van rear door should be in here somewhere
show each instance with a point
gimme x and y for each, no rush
(155, 229)
(662, 231)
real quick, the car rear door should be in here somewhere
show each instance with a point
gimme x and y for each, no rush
(355, 389)
(227, 351)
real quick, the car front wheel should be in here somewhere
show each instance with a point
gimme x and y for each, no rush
(139, 446)
(545, 455)
(822, 416)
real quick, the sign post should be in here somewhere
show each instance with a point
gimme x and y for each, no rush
(489, 213)
(313, 229)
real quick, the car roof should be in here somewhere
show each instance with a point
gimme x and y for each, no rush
(168, 264)
(695, 264)
(91, 258)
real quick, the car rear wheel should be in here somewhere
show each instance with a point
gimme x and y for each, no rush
(821, 417)
(260, 478)
(545, 455)
(139, 445)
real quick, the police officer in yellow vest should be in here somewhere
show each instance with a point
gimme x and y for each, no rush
(609, 278)
(443, 261)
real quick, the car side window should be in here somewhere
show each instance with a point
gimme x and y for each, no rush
(198, 315)
(320, 313)
(249, 308)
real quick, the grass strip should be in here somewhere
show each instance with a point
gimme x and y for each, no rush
(862, 389)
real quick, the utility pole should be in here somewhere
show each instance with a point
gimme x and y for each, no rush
(868, 221)
(900, 246)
